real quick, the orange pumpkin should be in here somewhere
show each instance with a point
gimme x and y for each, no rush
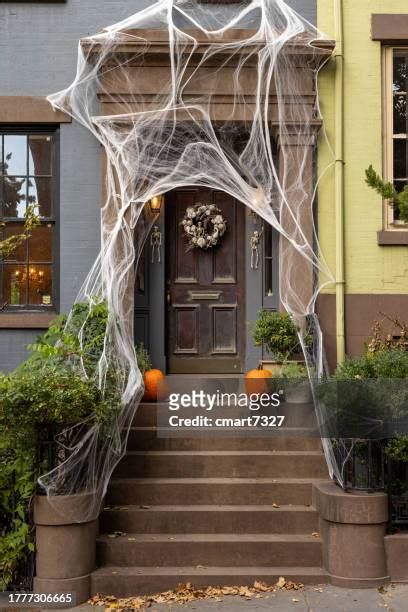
(256, 381)
(152, 380)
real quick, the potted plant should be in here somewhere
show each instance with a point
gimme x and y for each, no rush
(278, 333)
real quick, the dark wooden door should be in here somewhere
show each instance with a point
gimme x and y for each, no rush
(205, 289)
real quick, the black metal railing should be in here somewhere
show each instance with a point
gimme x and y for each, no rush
(365, 467)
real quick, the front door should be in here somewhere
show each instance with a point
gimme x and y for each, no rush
(205, 289)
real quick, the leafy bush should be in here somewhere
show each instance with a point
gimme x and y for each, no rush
(48, 393)
(80, 338)
(57, 385)
(397, 449)
(381, 364)
(278, 333)
(294, 370)
(390, 364)
(143, 358)
(355, 367)
(17, 486)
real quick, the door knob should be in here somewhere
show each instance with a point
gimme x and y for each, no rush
(168, 298)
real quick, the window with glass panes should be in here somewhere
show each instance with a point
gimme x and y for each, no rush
(28, 175)
(270, 267)
(396, 122)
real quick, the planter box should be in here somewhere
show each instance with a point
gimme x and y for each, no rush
(352, 527)
(275, 366)
(66, 529)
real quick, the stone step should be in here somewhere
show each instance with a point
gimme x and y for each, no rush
(210, 519)
(149, 438)
(209, 549)
(196, 491)
(296, 415)
(136, 580)
(212, 464)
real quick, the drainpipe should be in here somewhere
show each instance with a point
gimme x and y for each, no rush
(339, 180)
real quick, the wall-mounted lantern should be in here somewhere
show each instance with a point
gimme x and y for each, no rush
(156, 203)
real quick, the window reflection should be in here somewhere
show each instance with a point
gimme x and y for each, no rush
(400, 114)
(39, 155)
(15, 155)
(15, 196)
(40, 244)
(39, 194)
(400, 71)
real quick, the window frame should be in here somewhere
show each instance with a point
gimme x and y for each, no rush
(389, 222)
(54, 132)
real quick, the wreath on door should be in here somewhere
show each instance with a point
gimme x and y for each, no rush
(203, 226)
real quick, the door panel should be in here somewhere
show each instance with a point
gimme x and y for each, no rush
(205, 289)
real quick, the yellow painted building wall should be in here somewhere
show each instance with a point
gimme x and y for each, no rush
(369, 268)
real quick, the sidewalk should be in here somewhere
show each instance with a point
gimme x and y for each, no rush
(310, 599)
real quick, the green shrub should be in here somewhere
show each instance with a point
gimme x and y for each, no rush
(366, 395)
(278, 333)
(80, 338)
(397, 449)
(143, 358)
(391, 363)
(294, 370)
(56, 385)
(354, 368)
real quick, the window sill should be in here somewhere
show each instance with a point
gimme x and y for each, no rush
(26, 320)
(393, 237)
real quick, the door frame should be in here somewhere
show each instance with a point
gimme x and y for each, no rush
(254, 294)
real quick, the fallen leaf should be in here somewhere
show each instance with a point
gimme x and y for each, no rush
(281, 582)
(261, 586)
(295, 600)
(244, 592)
(275, 506)
(116, 534)
(315, 534)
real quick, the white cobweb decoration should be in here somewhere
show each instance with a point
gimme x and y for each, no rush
(156, 143)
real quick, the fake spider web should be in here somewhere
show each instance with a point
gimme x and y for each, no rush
(177, 137)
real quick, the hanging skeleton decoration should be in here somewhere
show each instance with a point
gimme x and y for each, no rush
(254, 242)
(155, 244)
